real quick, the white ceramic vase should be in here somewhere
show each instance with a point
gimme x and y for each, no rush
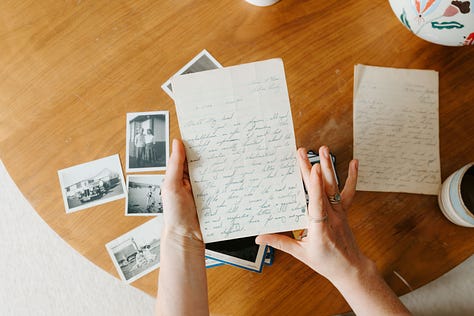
(444, 22)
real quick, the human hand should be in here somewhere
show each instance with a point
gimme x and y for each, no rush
(182, 285)
(329, 248)
(179, 208)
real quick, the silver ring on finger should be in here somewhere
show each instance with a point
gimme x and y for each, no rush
(335, 199)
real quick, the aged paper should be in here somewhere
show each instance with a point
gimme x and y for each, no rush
(396, 129)
(237, 128)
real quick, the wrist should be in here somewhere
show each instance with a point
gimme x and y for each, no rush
(356, 275)
(367, 293)
(182, 240)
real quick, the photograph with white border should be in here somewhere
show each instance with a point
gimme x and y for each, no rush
(137, 252)
(147, 141)
(240, 252)
(211, 263)
(144, 195)
(92, 183)
(201, 62)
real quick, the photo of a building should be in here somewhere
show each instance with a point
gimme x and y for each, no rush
(147, 141)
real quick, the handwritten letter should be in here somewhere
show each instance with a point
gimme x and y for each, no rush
(396, 133)
(238, 132)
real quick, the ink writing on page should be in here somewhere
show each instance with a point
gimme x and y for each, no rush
(237, 128)
(396, 130)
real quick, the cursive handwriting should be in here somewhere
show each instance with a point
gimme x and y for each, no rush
(240, 144)
(396, 130)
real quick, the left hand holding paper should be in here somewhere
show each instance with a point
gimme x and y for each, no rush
(178, 202)
(182, 284)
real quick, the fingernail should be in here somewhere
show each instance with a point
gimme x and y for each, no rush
(317, 167)
(302, 152)
(356, 165)
(257, 240)
(325, 152)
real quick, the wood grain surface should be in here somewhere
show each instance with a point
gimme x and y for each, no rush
(71, 70)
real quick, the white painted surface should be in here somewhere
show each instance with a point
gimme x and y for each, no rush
(41, 275)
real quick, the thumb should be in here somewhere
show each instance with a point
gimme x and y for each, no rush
(174, 172)
(280, 242)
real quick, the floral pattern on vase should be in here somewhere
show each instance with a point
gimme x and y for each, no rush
(442, 22)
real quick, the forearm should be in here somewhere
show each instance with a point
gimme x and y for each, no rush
(182, 285)
(368, 294)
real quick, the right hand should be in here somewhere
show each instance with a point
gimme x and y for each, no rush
(329, 248)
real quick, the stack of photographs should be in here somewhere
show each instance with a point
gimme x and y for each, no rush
(242, 253)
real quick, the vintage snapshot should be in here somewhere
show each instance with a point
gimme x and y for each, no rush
(241, 252)
(210, 263)
(144, 195)
(147, 141)
(92, 183)
(202, 61)
(137, 252)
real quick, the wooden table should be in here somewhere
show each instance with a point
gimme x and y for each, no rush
(71, 70)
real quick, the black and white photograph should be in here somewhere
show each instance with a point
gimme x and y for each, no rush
(241, 252)
(137, 252)
(211, 263)
(201, 62)
(147, 141)
(92, 183)
(144, 195)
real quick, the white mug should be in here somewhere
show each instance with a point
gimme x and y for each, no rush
(456, 197)
(262, 3)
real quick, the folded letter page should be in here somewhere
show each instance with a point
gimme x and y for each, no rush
(396, 129)
(237, 128)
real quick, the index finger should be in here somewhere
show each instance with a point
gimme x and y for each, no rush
(305, 166)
